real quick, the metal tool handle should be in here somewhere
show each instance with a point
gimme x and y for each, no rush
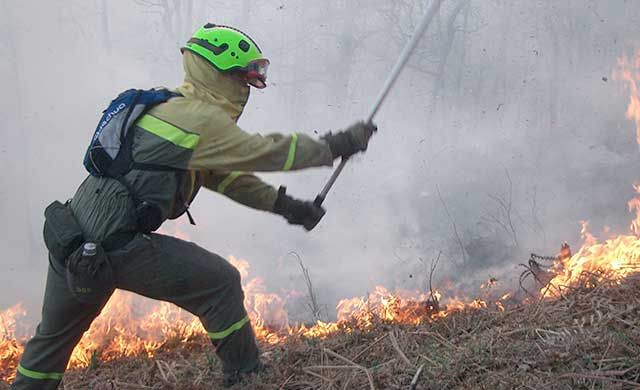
(393, 76)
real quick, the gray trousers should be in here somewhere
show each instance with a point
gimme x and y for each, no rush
(158, 267)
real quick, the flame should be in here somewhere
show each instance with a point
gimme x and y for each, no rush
(266, 310)
(613, 260)
(129, 326)
(629, 72)
(616, 257)
(11, 346)
(634, 205)
(134, 326)
(401, 307)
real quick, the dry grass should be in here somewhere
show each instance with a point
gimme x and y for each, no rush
(588, 339)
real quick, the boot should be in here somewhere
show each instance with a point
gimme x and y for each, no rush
(231, 378)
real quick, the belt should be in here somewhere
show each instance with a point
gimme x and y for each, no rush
(118, 240)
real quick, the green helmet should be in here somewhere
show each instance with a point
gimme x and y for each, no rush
(227, 49)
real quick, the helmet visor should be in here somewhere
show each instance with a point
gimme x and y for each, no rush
(256, 72)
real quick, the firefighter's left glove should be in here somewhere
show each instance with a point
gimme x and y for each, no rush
(352, 140)
(298, 212)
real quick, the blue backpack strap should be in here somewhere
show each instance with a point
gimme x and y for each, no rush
(167, 94)
(122, 162)
(109, 153)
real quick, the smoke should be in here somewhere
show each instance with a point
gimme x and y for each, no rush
(502, 134)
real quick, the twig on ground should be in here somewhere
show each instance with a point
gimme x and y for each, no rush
(396, 346)
(365, 370)
(416, 378)
(376, 341)
(312, 302)
(287, 381)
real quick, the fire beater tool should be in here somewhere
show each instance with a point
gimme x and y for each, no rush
(391, 79)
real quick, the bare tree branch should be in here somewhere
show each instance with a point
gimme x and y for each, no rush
(504, 213)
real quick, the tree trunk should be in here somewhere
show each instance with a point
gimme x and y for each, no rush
(342, 66)
(104, 21)
(447, 38)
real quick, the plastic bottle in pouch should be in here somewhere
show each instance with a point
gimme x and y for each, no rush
(91, 278)
(89, 249)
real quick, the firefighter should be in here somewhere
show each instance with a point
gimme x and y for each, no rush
(190, 141)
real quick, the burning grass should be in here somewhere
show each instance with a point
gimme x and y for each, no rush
(582, 330)
(588, 337)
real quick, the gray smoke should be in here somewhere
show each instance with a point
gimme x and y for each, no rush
(504, 132)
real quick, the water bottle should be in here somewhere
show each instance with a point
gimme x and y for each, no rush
(89, 249)
(91, 281)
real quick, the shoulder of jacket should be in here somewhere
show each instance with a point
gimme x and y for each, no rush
(191, 114)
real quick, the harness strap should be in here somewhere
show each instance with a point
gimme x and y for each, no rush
(154, 167)
(117, 240)
(132, 193)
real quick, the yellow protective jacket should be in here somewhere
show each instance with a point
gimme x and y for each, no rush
(225, 155)
(196, 135)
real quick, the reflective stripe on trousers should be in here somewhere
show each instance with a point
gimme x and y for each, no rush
(222, 334)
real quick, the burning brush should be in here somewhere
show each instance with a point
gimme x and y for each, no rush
(543, 268)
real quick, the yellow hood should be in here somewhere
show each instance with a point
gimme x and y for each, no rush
(203, 82)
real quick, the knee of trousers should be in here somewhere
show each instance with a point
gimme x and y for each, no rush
(235, 285)
(224, 305)
(232, 290)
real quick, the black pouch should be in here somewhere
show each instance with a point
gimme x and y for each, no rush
(62, 233)
(90, 278)
(148, 217)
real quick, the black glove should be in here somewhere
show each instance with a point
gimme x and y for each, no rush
(297, 212)
(350, 141)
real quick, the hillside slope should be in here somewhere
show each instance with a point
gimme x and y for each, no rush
(588, 338)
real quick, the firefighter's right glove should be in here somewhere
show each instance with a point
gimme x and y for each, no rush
(350, 141)
(297, 212)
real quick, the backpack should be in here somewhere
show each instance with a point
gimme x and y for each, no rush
(109, 153)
